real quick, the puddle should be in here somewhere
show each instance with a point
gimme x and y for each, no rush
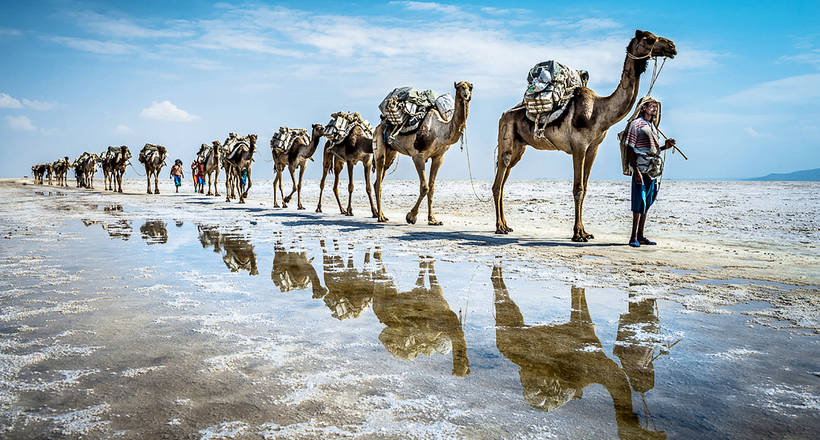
(177, 333)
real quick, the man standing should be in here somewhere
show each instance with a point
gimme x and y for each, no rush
(176, 173)
(642, 150)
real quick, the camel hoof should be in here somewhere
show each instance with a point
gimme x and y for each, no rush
(318, 209)
(382, 219)
(579, 239)
(209, 194)
(410, 218)
(500, 231)
(149, 192)
(349, 213)
(287, 199)
(275, 205)
(284, 205)
(434, 222)
(300, 207)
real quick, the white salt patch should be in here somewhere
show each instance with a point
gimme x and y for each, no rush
(223, 430)
(174, 422)
(589, 348)
(81, 422)
(273, 352)
(154, 288)
(735, 354)
(134, 372)
(781, 398)
(182, 401)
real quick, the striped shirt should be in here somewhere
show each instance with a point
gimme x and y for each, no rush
(642, 137)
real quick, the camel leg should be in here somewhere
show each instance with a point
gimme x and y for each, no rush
(517, 153)
(382, 165)
(276, 177)
(209, 185)
(156, 182)
(216, 182)
(291, 171)
(299, 188)
(327, 160)
(435, 164)
(592, 152)
(506, 147)
(418, 161)
(281, 191)
(578, 194)
(349, 211)
(338, 165)
(368, 165)
(148, 176)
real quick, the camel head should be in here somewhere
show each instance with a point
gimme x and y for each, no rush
(318, 130)
(648, 45)
(126, 153)
(163, 152)
(464, 90)
(252, 140)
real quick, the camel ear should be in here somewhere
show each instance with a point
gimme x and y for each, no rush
(639, 33)
(455, 85)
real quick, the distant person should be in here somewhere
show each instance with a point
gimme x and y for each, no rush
(643, 148)
(199, 175)
(176, 173)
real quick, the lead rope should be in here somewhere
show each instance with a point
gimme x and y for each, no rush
(464, 147)
(135, 169)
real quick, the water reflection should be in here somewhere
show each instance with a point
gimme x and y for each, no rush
(292, 270)
(350, 291)
(237, 252)
(559, 360)
(154, 232)
(116, 228)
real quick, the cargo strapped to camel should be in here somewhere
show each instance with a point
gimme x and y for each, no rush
(551, 86)
(203, 151)
(342, 123)
(149, 149)
(405, 107)
(283, 139)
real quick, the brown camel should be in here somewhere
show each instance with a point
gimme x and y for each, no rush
(153, 157)
(239, 163)
(296, 156)
(84, 168)
(105, 165)
(430, 141)
(350, 290)
(292, 270)
(356, 147)
(61, 167)
(558, 361)
(118, 164)
(211, 163)
(579, 131)
(49, 172)
(154, 232)
(230, 177)
(238, 251)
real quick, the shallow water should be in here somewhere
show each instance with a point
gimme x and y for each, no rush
(129, 325)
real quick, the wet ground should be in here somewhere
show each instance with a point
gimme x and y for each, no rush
(123, 321)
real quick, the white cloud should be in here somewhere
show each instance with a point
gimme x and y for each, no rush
(752, 132)
(166, 111)
(123, 129)
(427, 6)
(38, 105)
(799, 89)
(125, 28)
(95, 46)
(7, 101)
(9, 32)
(22, 123)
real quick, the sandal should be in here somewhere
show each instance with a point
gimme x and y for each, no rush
(646, 241)
(635, 243)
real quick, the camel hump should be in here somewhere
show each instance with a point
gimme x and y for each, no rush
(551, 88)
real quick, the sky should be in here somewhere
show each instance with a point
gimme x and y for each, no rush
(740, 98)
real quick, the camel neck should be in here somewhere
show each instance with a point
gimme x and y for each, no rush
(618, 104)
(314, 143)
(459, 119)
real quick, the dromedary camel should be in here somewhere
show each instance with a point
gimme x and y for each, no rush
(558, 361)
(211, 164)
(579, 131)
(61, 170)
(292, 270)
(430, 141)
(118, 164)
(105, 165)
(153, 157)
(354, 148)
(296, 156)
(238, 164)
(87, 167)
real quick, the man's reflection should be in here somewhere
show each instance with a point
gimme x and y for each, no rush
(154, 232)
(558, 361)
(638, 331)
(421, 322)
(293, 271)
(237, 251)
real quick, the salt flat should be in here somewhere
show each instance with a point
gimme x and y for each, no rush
(148, 316)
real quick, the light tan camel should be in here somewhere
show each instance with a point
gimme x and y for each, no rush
(558, 361)
(239, 162)
(579, 131)
(105, 164)
(292, 270)
(237, 252)
(61, 167)
(296, 156)
(430, 141)
(118, 164)
(230, 178)
(213, 160)
(356, 147)
(153, 157)
(84, 167)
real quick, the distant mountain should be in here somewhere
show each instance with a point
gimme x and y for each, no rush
(804, 175)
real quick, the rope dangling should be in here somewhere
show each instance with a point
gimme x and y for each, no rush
(469, 167)
(656, 72)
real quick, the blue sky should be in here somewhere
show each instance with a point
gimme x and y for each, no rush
(741, 97)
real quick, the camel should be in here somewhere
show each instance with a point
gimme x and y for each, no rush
(296, 156)
(153, 157)
(579, 131)
(38, 171)
(350, 291)
(354, 148)
(84, 168)
(237, 164)
(49, 172)
(421, 322)
(118, 163)
(105, 164)
(559, 360)
(211, 163)
(432, 139)
(61, 167)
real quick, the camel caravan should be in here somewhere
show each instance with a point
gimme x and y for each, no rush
(558, 112)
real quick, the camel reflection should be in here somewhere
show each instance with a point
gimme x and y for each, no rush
(154, 232)
(119, 228)
(558, 361)
(237, 252)
(350, 291)
(294, 271)
(420, 321)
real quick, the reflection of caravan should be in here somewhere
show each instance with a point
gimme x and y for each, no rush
(350, 291)
(421, 322)
(558, 361)
(238, 252)
(154, 232)
(293, 271)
